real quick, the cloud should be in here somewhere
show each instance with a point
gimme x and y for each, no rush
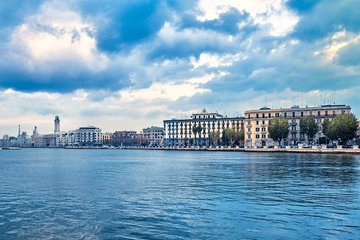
(228, 22)
(169, 91)
(55, 50)
(110, 62)
(316, 23)
(272, 16)
(177, 43)
(349, 55)
(128, 24)
(13, 12)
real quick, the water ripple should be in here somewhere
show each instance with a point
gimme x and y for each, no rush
(89, 194)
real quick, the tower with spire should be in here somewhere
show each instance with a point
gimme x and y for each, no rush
(57, 125)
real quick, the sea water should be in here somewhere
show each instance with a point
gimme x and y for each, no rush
(138, 194)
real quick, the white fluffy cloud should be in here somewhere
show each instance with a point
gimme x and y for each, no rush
(56, 36)
(273, 15)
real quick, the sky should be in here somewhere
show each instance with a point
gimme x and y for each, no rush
(132, 64)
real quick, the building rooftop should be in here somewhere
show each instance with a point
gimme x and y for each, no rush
(153, 128)
(298, 108)
(89, 127)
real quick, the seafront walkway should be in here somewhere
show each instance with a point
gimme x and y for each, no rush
(354, 150)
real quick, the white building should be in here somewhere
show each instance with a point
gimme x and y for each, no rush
(37, 139)
(69, 139)
(23, 140)
(179, 132)
(89, 136)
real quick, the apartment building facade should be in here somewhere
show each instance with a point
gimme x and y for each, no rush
(179, 132)
(125, 138)
(256, 123)
(89, 136)
(153, 136)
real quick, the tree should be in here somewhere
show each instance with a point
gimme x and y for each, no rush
(328, 129)
(240, 137)
(229, 136)
(196, 129)
(214, 138)
(308, 126)
(344, 126)
(278, 129)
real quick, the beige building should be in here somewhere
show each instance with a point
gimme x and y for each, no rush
(179, 132)
(257, 121)
(153, 136)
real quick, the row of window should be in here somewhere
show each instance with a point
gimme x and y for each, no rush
(263, 136)
(204, 123)
(205, 117)
(294, 114)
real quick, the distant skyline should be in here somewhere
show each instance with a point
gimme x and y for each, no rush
(131, 64)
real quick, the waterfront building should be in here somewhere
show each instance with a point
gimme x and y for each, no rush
(153, 136)
(179, 132)
(23, 140)
(69, 139)
(107, 138)
(36, 138)
(257, 122)
(89, 136)
(140, 139)
(48, 140)
(8, 141)
(12, 141)
(5, 141)
(125, 138)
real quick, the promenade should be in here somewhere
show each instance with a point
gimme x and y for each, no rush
(276, 150)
